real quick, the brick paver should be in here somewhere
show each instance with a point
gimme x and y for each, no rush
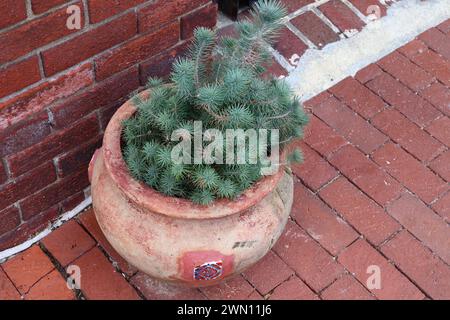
(358, 97)
(440, 129)
(442, 207)
(434, 64)
(100, 280)
(341, 16)
(28, 268)
(366, 174)
(314, 265)
(338, 116)
(440, 165)
(360, 256)
(410, 172)
(346, 288)
(419, 264)
(294, 289)
(315, 29)
(153, 289)
(407, 134)
(289, 45)
(268, 273)
(236, 288)
(68, 242)
(7, 289)
(368, 73)
(322, 137)
(320, 222)
(403, 99)
(439, 96)
(373, 192)
(360, 211)
(437, 41)
(314, 171)
(51, 287)
(407, 72)
(423, 223)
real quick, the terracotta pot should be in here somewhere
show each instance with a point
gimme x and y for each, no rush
(173, 239)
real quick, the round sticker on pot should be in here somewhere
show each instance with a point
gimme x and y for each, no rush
(208, 271)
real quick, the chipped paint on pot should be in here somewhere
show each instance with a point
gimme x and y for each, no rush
(173, 239)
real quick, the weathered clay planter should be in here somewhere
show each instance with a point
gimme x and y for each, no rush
(173, 239)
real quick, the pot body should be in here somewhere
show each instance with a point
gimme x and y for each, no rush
(195, 252)
(173, 239)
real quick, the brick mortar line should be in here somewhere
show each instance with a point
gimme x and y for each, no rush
(305, 8)
(77, 292)
(336, 213)
(110, 259)
(282, 61)
(411, 90)
(31, 16)
(54, 160)
(388, 106)
(347, 273)
(327, 21)
(60, 41)
(411, 232)
(10, 280)
(84, 89)
(391, 262)
(246, 280)
(40, 65)
(396, 265)
(86, 10)
(57, 180)
(251, 284)
(413, 62)
(423, 163)
(294, 271)
(29, 11)
(335, 258)
(356, 11)
(300, 35)
(384, 207)
(88, 27)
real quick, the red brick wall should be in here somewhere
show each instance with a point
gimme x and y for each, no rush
(59, 88)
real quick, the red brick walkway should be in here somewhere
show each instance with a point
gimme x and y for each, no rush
(373, 191)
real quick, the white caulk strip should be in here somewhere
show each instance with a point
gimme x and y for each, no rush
(318, 70)
(65, 217)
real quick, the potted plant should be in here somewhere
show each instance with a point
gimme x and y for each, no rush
(187, 186)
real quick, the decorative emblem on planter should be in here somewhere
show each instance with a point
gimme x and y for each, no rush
(208, 271)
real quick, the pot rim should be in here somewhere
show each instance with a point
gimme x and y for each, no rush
(154, 201)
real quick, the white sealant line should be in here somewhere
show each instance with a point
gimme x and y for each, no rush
(300, 35)
(318, 70)
(359, 14)
(65, 217)
(327, 21)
